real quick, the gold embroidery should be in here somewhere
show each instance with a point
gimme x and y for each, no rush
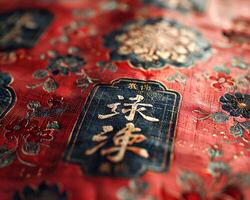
(162, 40)
(134, 108)
(132, 86)
(16, 32)
(123, 141)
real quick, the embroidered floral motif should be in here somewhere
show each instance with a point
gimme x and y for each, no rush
(155, 43)
(226, 79)
(240, 63)
(15, 128)
(221, 80)
(236, 105)
(180, 5)
(43, 191)
(243, 82)
(177, 77)
(65, 64)
(60, 65)
(40, 74)
(221, 69)
(55, 107)
(38, 134)
(228, 185)
(26, 135)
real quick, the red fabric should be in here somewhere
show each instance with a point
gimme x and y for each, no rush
(197, 133)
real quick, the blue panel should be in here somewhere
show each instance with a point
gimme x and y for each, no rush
(110, 139)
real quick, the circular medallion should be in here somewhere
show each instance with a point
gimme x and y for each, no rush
(156, 43)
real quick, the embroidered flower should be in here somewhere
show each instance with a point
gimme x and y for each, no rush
(28, 135)
(237, 104)
(155, 43)
(221, 80)
(16, 128)
(229, 185)
(55, 102)
(37, 134)
(66, 64)
(43, 191)
(54, 108)
(239, 63)
(180, 5)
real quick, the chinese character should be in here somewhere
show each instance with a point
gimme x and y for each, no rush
(145, 87)
(134, 108)
(101, 138)
(132, 86)
(113, 107)
(132, 111)
(123, 141)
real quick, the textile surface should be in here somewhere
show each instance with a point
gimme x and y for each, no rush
(126, 99)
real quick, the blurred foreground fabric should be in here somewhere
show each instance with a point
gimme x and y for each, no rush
(125, 99)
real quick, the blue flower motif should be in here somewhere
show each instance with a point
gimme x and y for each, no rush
(44, 191)
(236, 104)
(156, 43)
(65, 64)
